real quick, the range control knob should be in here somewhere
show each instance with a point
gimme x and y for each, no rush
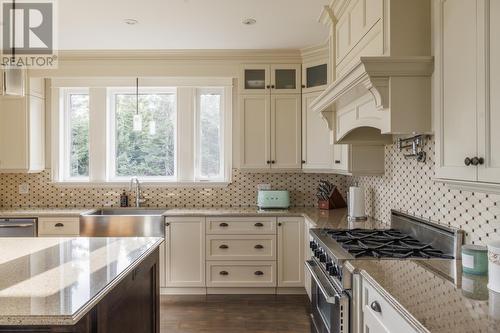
(313, 245)
(332, 270)
(317, 253)
(328, 265)
(322, 257)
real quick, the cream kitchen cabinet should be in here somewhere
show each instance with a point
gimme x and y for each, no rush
(290, 252)
(378, 315)
(466, 81)
(22, 134)
(58, 227)
(274, 79)
(270, 127)
(314, 76)
(184, 252)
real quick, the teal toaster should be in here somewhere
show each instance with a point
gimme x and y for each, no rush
(268, 199)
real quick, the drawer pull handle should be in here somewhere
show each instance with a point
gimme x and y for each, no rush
(376, 307)
(223, 273)
(258, 224)
(258, 246)
(259, 273)
(223, 246)
(223, 224)
(58, 225)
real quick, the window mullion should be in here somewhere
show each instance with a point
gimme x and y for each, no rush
(185, 134)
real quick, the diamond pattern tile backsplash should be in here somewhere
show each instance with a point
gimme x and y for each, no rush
(240, 193)
(408, 186)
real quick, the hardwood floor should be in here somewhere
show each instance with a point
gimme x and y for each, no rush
(235, 313)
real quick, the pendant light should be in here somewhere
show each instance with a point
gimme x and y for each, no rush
(137, 122)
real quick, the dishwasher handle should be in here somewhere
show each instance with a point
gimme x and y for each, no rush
(16, 225)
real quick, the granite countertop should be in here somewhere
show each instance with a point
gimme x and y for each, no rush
(56, 281)
(434, 295)
(41, 212)
(336, 218)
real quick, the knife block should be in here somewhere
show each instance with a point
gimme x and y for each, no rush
(334, 202)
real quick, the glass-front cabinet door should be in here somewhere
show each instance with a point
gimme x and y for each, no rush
(285, 79)
(256, 79)
(314, 76)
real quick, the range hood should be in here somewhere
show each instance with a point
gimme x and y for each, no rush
(380, 96)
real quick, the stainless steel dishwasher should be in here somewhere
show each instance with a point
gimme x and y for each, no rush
(18, 227)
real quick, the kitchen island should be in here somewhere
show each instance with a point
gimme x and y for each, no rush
(79, 284)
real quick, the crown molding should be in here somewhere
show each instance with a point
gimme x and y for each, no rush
(267, 55)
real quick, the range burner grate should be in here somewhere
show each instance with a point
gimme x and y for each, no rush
(389, 243)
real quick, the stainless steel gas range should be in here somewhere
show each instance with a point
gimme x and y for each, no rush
(332, 285)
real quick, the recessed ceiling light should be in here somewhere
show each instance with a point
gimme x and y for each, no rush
(249, 21)
(130, 21)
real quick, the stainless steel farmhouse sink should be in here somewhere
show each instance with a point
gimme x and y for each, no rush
(122, 222)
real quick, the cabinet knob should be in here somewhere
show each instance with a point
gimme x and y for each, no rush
(337, 161)
(223, 273)
(468, 161)
(258, 246)
(273, 162)
(259, 273)
(258, 224)
(167, 224)
(268, 162)
(223, 224)
(272, 86)
(59, 225)
(477, 161)
(279, 224)
(303, 161)
(303, 86)
(223, 246)
(376, 307)
(268, 86)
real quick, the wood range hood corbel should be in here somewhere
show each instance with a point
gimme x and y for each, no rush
(379, 97)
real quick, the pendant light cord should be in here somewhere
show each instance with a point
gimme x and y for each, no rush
(137, 96)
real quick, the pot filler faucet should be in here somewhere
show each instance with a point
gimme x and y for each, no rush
(138, 194)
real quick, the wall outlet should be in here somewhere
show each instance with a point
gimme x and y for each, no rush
(24, 188)
(263, 187)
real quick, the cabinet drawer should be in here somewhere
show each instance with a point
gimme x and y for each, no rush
(391, 319)
(241, 274)
(241, 225)
(241, 247)
(58, 226)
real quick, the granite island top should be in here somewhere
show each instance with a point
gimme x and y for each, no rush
(434, 294)
(56, 281)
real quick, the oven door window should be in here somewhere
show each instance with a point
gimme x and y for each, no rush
(323, 308)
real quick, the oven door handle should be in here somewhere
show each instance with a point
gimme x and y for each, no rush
(326, 288)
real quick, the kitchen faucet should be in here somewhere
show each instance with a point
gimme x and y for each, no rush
(138, 193)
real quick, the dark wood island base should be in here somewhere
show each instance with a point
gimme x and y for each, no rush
(132, 306)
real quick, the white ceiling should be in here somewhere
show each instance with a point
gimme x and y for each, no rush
(189, 24)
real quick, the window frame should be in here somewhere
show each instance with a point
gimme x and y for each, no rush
(65, 146)
(197, 133)
(111, 93)
(186, 148)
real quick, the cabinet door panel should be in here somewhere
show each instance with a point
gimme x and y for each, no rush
(456, 71)
(255, 131)
(255, 79)
(317, 152)
(489, 120)
(290, 253)
(285, 79)
(286, 131)
(185, 252)
(13, 134)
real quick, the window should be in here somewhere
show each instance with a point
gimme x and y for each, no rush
(76, 117)
(178, 134)
(209, 121)
(149, 150)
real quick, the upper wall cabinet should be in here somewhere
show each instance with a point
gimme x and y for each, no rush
(277, 78)
(22, 130)
(466, 85)
(270, 117)
(314, 76)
